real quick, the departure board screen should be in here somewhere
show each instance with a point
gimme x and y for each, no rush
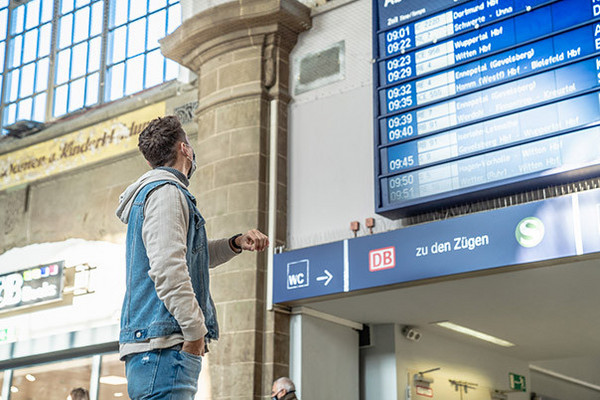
(481, 98)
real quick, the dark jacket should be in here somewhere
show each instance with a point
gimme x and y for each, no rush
(290, 396)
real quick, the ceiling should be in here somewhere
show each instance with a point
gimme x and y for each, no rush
(549, 312)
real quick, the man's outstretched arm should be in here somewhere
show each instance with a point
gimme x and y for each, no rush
(222, 250)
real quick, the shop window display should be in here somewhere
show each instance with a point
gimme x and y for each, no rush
(52, 381)
(113, 384)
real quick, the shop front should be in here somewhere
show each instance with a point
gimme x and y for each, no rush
(59, 312)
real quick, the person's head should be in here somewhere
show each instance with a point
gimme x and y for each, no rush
(79, 394)
(281, 387)
(163, 143)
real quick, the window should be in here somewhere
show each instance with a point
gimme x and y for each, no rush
(55, 380)
(113, 383)
(51, 381)
(25, 55)
(135, 62)
(86, 52)
(79, 50)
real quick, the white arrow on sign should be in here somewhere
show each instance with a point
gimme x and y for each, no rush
(327, 277)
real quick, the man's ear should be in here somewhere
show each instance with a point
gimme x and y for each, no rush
(182, 147)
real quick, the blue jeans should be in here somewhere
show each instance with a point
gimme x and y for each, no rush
(168, 374)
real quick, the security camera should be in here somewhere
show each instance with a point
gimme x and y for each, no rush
(411, 334)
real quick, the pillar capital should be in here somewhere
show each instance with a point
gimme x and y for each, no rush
(235, 25)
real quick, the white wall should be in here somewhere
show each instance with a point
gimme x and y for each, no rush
(378, 365)
(331, 158)
(323, 359)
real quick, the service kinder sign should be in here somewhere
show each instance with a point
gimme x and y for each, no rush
(96, 143)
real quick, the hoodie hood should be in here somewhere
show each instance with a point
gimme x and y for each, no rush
(126, 198)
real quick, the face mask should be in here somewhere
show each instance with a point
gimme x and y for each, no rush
(193, 167)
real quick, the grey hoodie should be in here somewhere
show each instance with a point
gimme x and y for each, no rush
(164, 234)
(126, 198)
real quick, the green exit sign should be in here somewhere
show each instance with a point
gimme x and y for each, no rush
(517, 382)
(8, 335)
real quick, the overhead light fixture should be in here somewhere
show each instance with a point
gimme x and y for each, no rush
(474, 333)
(30, 378)
(14, 389)
(113, 380)
(118, 394)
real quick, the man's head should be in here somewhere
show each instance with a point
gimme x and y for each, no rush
(79, 394)
(162, 140)
(281, 387)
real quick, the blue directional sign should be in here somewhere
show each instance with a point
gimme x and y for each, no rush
(463, 245)
(309, 272)
(466, 93)
(543, 230)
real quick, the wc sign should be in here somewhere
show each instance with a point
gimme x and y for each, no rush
(297, 274)
(384, 258)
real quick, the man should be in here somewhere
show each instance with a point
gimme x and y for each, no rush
(79, 394)
(168, 315)
(283, 389)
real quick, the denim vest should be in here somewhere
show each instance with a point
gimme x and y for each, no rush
(144, 316)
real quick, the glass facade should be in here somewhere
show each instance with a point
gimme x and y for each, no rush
(113, 383)
(83, 53)
(56, 380)
(52, 381)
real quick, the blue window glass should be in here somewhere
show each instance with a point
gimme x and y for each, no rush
(3, 23)
(45, 40)
(39, 107)
(135, 28)
(32, 14)
(116, 82)
(92, 89)
(26, 47)
(94, 61)
(78, 62)
(154, 5)
(18, 20)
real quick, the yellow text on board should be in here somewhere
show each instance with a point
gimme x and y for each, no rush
(86, 146)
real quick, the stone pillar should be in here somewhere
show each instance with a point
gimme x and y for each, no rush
(240, 53)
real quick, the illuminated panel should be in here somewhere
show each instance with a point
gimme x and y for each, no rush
(463, 91)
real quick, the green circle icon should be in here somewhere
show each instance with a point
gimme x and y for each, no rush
(530, 232)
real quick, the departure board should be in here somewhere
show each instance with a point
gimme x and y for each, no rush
(475, 99)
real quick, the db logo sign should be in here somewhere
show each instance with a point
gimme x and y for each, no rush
(382, 259)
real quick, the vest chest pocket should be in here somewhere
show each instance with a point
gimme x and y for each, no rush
(199, 233)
